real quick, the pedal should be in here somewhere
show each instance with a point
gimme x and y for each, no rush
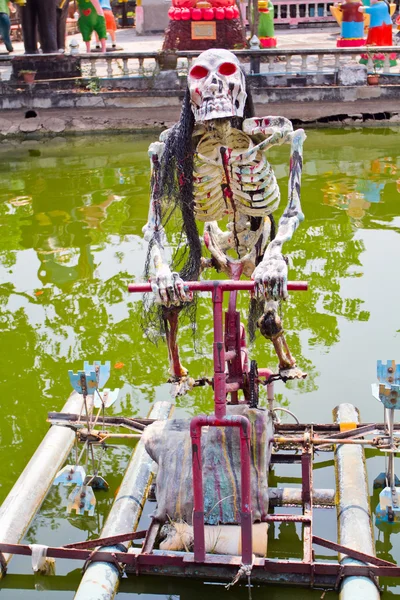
(291, 373)
(108, 397)
(181, 386)
(70, 474)
(82, 500)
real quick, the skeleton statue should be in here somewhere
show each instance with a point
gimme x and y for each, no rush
(212, 164)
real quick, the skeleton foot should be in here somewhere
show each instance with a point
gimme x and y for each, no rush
(180, 386)
(271, 328)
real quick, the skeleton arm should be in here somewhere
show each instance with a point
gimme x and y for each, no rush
(167, 286)
(271, 274)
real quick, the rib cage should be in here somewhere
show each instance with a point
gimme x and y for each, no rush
(225, 183)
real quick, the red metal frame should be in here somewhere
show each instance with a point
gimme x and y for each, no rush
(198, 507)
(158, 562)
(230, 367)
(221, 567)
(305, 572)
(230, 351)
(227, 285)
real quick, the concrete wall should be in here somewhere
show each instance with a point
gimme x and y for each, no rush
(156, 102)
(80, 120)
(167, 89)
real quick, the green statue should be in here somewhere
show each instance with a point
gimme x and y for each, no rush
(91, 18)
(266, 30)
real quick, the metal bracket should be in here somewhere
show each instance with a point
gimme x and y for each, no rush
(339, 578)
(70, 474)
(83, 383)
(81, 500)
(388, 390)
(375, 580)
(3, 564)
(113, 560)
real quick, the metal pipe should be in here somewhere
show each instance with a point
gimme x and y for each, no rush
(233, 387)
(32, 486)
(198, 501)
(219, 356)
(227, 285)
(262, 372)
(120, 436)
(282, 439)
(353, 510)
(101, 579)
(289, 496)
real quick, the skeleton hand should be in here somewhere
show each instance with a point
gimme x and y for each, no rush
(168, 288)
(271, 277)
(277, 128)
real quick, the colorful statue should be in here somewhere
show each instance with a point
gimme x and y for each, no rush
(379, 32)
(91, 18)
(266, 30)
(352, 24)
(5, 26)
(380, 28)
(212, 165)
(39, 16)
(111, 25)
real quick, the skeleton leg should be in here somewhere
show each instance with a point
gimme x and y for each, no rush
(271, 328)
(170, 316)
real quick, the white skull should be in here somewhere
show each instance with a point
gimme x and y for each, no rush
(216, 85)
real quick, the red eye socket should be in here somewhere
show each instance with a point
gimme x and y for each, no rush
(227, 69)
(198, 72)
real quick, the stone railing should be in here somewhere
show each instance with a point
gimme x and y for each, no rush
(5, 67)
(277, 62)
(309, 61)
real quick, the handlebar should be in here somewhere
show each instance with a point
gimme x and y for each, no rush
(225, 285)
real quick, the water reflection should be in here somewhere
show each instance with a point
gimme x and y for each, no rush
(70, 219)
(356, 194)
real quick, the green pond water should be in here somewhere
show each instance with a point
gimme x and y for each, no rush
(71, 214)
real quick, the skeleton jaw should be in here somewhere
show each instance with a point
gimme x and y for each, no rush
(214, 107)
